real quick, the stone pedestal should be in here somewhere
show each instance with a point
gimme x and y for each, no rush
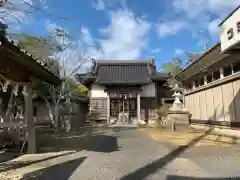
(178, 119)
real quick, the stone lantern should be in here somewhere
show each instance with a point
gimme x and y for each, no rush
(177, 94)
(177, 114)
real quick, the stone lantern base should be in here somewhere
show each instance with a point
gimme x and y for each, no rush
(178, 119)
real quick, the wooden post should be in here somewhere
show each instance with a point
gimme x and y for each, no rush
(138, 108)
(108, 109)
(31, 136)
(205, 80)
(221, 73)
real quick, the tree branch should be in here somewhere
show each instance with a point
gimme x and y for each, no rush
(42, 10)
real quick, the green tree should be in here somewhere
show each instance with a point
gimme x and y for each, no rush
(59, 63)
(173, 67)
(80, 90)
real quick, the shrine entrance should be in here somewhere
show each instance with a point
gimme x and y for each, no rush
(124, 103)
(124, 110)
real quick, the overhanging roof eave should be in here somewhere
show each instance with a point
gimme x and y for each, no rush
(194, 62)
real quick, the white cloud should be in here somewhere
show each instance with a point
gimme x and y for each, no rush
(222, 7)
(15, 13)
(190, 7)
(51, 26)
(178, 52)
(123, 39)
(213, 28)
(200, 13)
(125, 36)
(193, 8)
(156, 50)
(170, 28)
(102, 5)
(99, 5)
(44, 3)
(86, 36)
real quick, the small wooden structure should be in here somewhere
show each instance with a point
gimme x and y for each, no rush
(126, 88)
(20, 71)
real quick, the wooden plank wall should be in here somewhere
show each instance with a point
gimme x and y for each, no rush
(99, 108)
(147, 108)
(220, 103)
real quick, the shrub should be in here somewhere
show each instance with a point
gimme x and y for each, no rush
(162, 113)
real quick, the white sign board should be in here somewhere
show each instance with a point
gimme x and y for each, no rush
(230, 31)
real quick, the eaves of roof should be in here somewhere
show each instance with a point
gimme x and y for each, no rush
(14, 46)
(201, 57)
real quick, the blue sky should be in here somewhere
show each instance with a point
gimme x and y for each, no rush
(128, 29)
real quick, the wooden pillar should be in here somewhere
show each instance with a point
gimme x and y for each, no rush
(108, 109)
(205, 80)
(194, 85)
(221, 73)
(138, 108)
(1, 108)
(31, 135)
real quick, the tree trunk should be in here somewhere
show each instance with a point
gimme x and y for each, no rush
(7, 115)
(9, 105)
(49, 110)
(68, 124)
(56, 116)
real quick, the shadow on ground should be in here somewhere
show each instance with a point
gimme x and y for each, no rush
(86, 139)
(174, 177)
(143, 172)
(5, 166)
(119, 129)
(7, 156)
(72, 142)
(57, 172)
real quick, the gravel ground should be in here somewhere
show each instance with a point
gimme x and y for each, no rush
(132, 154)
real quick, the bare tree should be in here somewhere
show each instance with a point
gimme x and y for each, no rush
(69, 62)
(18, 12)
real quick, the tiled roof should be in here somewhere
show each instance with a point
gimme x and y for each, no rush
(195, 57)
(161, 76)
(16, 46)
(125, 72)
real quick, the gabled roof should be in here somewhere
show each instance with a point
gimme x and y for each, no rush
(123, 74)
(29, 61)
(128, 72)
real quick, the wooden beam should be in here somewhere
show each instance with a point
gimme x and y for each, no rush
(31, 134)
(138, 108)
